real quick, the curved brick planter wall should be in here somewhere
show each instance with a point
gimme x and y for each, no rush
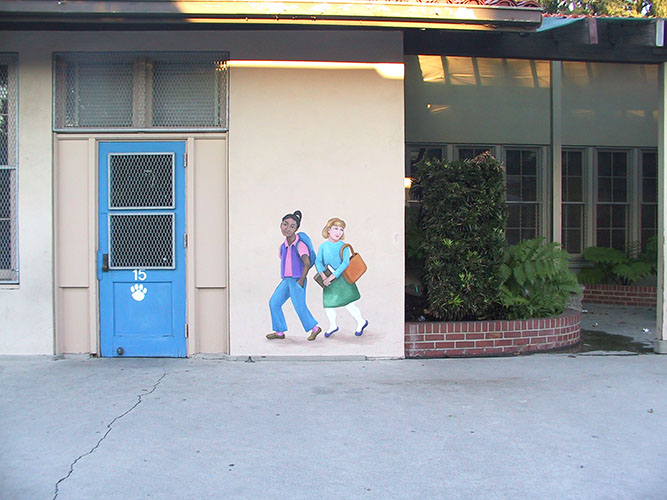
(491, 338)
(621, 295)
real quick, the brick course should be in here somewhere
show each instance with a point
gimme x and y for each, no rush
(621, 295)
(491, 338)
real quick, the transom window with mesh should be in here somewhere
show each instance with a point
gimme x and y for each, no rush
(140, 91)
(8, 170)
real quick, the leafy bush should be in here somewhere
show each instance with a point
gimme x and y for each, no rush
(614, 266)
(537, 281)
(462, 217)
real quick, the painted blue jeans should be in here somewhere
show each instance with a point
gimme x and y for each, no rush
(288, 288)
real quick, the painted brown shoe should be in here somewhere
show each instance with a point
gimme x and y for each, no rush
(275, 335)
(316, 331)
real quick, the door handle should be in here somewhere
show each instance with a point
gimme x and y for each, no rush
(105, 262)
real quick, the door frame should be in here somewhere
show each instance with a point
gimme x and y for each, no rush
(75, 197)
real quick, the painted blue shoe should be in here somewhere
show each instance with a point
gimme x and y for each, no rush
(361, 332)
(329, 334)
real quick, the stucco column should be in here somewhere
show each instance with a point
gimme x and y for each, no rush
(660, 343)
(556, 151)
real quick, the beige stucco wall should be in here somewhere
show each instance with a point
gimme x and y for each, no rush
(326, 141)
(26, 310)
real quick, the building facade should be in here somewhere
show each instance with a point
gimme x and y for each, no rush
(146, 170)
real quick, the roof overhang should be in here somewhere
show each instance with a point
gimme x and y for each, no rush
(601, 39)
(203, 14)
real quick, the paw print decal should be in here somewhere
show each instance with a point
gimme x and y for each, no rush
(138, 292)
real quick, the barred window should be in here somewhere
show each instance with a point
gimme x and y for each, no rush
(140, 91)
(8, 170)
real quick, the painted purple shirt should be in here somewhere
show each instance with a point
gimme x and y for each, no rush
(290, 257)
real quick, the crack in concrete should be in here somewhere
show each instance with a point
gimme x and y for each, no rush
(109, 428)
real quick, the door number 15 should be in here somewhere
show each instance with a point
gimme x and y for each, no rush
(139, 275)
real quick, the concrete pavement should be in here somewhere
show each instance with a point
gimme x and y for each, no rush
(544, 426)
(547, 426)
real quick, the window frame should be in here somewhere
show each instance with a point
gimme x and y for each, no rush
(543, 201)
(584, 203)
(631, 200)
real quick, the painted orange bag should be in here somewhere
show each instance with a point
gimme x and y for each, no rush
(357, 265)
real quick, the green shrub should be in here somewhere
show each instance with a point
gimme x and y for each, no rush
(462, 217)
(537, 281)
(614, 266)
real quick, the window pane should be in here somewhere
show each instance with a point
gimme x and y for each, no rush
(618, 218)
(572, 241)
(513, 188)
(512, 236)
(619, 190)
(529, 216)
(650, 190)
(604, 164)
(620, 162)
(618, 239)
(603, 216)
(103, 97)
(574, 189)
(573, 216)
(513, 161)
(572, 163)
(603, 238)
(529, 163)
(649, 164)
(513, 216)
(529, 189)
(604, 189)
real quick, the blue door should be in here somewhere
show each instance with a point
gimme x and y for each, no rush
(141, 256)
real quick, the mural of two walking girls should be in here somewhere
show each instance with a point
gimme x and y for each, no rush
(297, 255)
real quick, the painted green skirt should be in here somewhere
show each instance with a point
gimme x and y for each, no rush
(340, 293)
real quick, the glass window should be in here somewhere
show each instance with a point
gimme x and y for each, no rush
(168, 90)
(418, 153)
(612, 199)
(469, 152)
(523, 195)
(649, 196)
(573, 207)
(8, 170)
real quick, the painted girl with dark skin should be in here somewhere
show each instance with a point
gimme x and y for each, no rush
(294, 265)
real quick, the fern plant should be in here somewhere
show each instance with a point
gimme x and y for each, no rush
(611, 265)
(536, 280)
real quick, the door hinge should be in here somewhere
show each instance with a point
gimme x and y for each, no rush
(185, 240)
(185, 160)
(187, 331)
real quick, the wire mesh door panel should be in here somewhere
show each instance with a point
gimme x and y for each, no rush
(141, 267)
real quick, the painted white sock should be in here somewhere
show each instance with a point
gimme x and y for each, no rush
(331, 315)
(356, 314)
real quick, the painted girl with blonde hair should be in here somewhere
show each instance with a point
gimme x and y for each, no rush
(337, 291)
